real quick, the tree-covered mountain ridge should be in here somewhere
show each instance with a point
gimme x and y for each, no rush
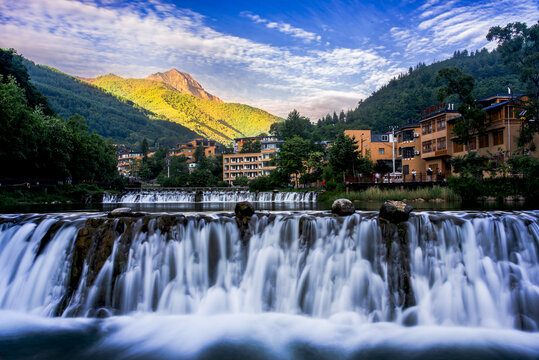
(109, 115)
(209, 118)
(403, 98)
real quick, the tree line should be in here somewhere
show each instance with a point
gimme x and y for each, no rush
(37, 145)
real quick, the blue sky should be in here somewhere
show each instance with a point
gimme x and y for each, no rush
(314, 56)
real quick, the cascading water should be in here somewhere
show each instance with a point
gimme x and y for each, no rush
(208, 196)
(292, 272)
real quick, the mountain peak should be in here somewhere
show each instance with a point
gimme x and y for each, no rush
(184, 83)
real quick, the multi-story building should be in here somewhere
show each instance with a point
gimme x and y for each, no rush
(435, 138)
(378, 147)
(188, 149)
(235, 165)
(409, 149)
(503, 127)
(126, 159)
(238, 142)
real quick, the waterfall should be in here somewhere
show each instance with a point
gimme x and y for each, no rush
(208, 196)
(467, 269)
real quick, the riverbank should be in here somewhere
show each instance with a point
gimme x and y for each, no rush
(59, 194)
(434, 194)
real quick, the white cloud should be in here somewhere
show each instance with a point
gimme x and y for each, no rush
(285, 28)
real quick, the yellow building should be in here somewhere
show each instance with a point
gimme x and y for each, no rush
(409, 150)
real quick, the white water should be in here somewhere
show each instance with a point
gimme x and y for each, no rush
(324, 290)
(186, 196)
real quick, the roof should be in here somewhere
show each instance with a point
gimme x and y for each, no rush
(409, 126)
(512, 96)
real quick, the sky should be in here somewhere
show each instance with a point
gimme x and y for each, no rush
(310, 55)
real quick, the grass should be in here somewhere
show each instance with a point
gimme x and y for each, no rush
(377, 194)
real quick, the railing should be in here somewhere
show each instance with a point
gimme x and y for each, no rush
(385, 178)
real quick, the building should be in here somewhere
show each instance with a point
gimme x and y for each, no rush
(235, 165)
(378, 147)
(188, 149)
(409, 149)
(435, 138)
(238, 142)
(503, 127)
(126, 159)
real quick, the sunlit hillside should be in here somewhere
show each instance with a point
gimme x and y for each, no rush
(219, 121)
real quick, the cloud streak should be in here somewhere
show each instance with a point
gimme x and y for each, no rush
(284, 28)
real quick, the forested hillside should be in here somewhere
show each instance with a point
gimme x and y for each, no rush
(403, 98)
(107, 114)
(218, 121)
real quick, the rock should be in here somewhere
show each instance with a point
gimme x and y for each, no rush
(343, 207)
(420, 200)
(437, 200)
(244, 209)
(125, 211)
(395, 211)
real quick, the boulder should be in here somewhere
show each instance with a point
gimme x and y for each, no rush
(244, 209)
(395, 211)
(342, 207)
(125, 211)
(120, 212)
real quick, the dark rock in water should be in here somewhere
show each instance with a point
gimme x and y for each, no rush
(125, 211)
(343, 207)
(244, 210)
(395, 211)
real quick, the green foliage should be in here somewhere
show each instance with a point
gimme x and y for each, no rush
(473, 118)
(250, 147)
(377, 194)
(519, 46)
(11, 65)
(277, 179)
(344, 159)
(241, 181)
(109, 115)
(295, 125)
(218, 121)
(37, 146)
(292, 155)
(469, 165)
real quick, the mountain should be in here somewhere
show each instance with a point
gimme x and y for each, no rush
(403, 98)
(212, 119)
(107, 114)
(184, 83)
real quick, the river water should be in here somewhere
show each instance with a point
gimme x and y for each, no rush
(296, 285)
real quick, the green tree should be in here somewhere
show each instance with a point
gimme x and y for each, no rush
(241, 181)
(295, 125)
(292, 156)
(144, 148)
(199, 154)
(250, 147)
(473, 119)
(343, 156)
(519, 46)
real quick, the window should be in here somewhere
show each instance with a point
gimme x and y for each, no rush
(408, 135)
(440, 124)
(483, 141)
(497, 138)
(427, 146)
(385, 138)
(457, 148)
(473, 144)
(381, 151)
(442, 145)
(408, 152)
